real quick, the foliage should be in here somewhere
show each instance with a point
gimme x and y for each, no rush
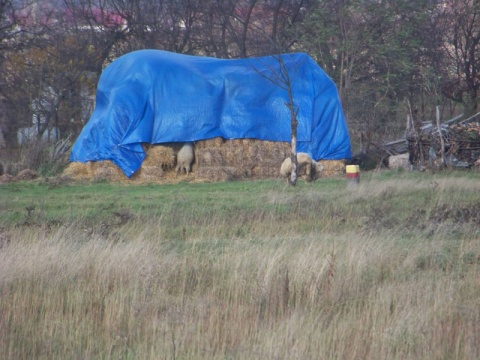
(388, 59)
(379, 54)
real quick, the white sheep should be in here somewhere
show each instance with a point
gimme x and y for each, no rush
(185, 158)
(312, 168)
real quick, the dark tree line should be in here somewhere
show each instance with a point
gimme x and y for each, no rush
(389, 59)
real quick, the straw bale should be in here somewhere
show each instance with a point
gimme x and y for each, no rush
(77, 170)
(209, 143)
(160, 156)
(148, 173)
(209, 157)
(215, 160)
(249, 157)
(253, 150)
(232, 152)
(158, 160)
(276, 163)
(281, 151)
(261, 153)
(265, 172)
(332, 168)
(216, 173)
(106, 170)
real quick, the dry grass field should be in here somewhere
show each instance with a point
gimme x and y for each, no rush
(242, 270)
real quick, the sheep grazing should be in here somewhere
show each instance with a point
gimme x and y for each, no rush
(311, 168)
(185, 158)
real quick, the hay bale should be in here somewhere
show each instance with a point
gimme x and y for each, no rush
(265, 172)
(249, 157)
(280, 151)
(159, 159)
(94, 170)
(210, 143)
(215, 160)
(161, 156)
(77, 170)
(209, 157)
(82, 171)
(107, 170)
(147, 174)
(233, 151)
(216, 173)
(332, 168)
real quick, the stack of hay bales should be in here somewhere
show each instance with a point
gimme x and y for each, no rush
(222, 160)
(100, 170)
(160, 160)
(215, 160)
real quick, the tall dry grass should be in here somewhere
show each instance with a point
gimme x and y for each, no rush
(68, 296)
(387, 270)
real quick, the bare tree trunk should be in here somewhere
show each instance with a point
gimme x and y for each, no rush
(283, 79)
(293, 144)
(293, 156)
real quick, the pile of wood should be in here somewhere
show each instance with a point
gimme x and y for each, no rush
(463, 140)
(456, 145)
(452, 144)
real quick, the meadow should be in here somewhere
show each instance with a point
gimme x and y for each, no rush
(388, 269)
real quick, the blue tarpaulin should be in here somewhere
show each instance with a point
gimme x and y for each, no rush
(154, 96)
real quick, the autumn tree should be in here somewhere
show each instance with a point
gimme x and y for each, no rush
(379, 53)
(13, 38)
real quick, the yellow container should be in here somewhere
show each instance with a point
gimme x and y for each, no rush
(352, 169)
(352, 174)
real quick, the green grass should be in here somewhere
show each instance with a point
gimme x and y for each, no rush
(242, 270)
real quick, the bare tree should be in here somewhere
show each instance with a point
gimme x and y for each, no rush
(283, 77)
(13, 38)
(462, 44)
(99, 26)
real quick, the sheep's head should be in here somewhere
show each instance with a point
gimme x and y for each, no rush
(318, 167)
